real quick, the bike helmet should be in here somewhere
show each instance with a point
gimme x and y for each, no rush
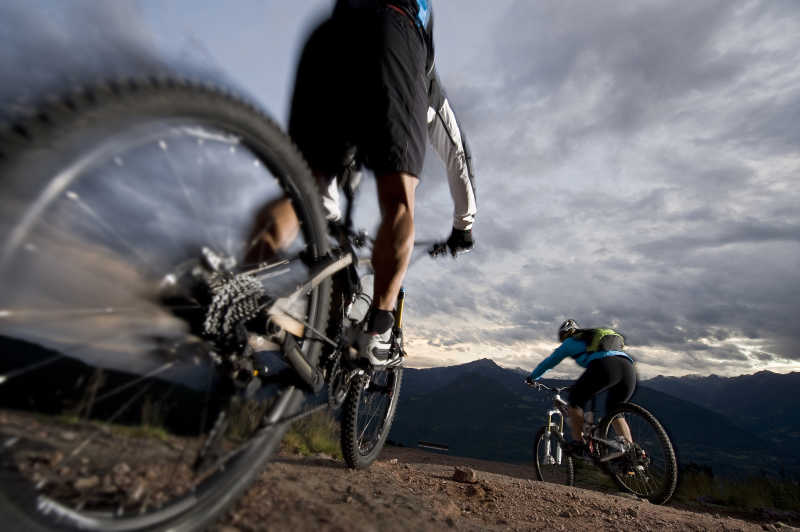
(567, 329)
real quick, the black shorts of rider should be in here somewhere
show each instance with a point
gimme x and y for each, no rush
(360, 86)
(614, 374)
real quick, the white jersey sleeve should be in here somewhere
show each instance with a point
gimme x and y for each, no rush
(449, 142)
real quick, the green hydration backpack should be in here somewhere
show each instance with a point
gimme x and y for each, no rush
(600, 339)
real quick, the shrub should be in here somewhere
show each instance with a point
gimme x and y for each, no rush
(747, 494)
(317, 433)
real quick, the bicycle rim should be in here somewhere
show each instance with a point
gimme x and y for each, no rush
(551, 465)
(109, 394)
(368, 413)
(648, 469)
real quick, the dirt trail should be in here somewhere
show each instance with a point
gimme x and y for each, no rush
(408, 489)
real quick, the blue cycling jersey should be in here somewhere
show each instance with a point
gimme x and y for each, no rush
(572, 347)
(423, 12)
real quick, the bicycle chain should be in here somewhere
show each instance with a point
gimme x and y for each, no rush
(234, 299)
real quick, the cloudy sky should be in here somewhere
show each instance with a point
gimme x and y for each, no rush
(636, 162)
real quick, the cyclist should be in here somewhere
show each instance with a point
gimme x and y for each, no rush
(358, 91)
(608, 367)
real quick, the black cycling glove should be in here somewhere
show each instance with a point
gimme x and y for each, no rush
(460, 241)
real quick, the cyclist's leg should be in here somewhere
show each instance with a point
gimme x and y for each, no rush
(276, 225)
(575, 421)
(395, 238)
(579, 394)
(621, 392)
(622, 428)
(275, 228)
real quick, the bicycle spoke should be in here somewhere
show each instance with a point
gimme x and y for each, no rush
(110, 230)
(162, 144)
(202, 161)
(134, 382)
(27, 369)
(113, 418)
(375, 404)
(367, 425)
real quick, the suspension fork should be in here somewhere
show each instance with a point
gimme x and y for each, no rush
(559, 433)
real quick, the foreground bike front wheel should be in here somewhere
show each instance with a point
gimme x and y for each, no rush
(648, 468)
(552, 463)
(368, 414)
(113, 412)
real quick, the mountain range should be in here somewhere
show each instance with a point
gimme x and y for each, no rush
(743, 424)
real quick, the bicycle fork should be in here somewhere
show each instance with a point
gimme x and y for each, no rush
(559, 433)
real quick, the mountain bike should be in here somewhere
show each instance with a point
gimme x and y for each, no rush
(149, 365)
(645, 466)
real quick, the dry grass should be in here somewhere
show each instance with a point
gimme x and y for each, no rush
(317, 433)
(745, 494)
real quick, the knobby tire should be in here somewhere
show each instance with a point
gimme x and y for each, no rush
(353, 414)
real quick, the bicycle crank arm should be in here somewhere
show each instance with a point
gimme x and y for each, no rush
(615, 445)
(616, 449)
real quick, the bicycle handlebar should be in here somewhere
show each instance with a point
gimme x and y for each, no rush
(541, 386)
(537, 385)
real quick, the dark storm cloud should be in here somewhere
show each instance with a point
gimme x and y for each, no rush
(744, 232)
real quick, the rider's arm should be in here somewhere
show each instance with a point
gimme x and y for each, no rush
(570, 347)
(448, 140)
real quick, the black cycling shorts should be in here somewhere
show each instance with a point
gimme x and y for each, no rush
(613, 373)
(361, 88)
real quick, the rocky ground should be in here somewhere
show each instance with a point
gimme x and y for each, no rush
(408, 489)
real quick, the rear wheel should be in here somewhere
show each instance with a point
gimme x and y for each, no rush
(552, 463)
(113, 411)
(368, 413)
(648, 468)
